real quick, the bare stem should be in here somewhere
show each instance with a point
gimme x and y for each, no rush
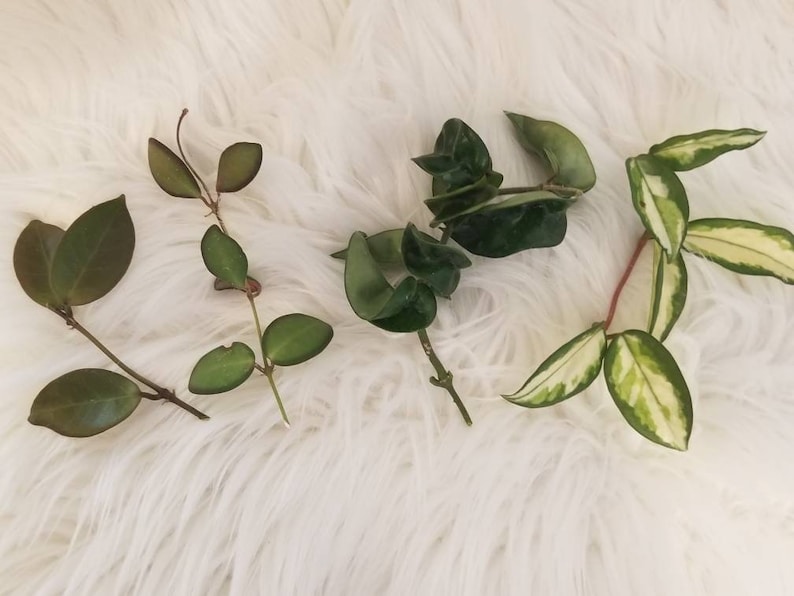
(269, 375)
(625, 277)
(447, 233)
(444, 378)
(545, 186)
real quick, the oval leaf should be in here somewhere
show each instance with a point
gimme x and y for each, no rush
(367, 289)
(238, 166)
(649, 389)
(568, 371)
(93, 254)
(222, 369)
(560, 149)
(295, 338)
(33, 254)
(660, 200)
(744, 246)
(436, 264)
(170, 172)
(417, 312)
(85, 402)
(668, 294)
(224, 258)
(686, 152)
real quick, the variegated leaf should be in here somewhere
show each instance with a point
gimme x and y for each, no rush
(649, 389)
(744, 246)
(566, 372)
(687, 152)
(668, 294)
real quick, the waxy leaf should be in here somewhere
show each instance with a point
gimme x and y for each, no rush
(660, 200)
(417, 312)
(568, 371)
(686, 152)
(367, 289)
(436, 264)
(224, 258)
(744, 246)
(561, 150)
(383, 246)
(85, 402)
(238, 166)
(93, 254)
(222, 369)
(33, 254)
(649, 389)
(459, 202)
(170, 172)
(295, 338)
(668, 294)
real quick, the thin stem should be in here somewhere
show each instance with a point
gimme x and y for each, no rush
(269, 375)
(514, 190)
(444, 378)
(446, 234)
(250, 297)
(184, 157)
(625, 277)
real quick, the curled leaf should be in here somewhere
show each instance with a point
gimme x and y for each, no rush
(464, 200)
(668, 294)
(33, 254)
(224, 258)
(295, 338)
(417, 308)
(171, 173)
(238, 166)
(366, 287)
(687, 152)
(222, 369)
(438, 265)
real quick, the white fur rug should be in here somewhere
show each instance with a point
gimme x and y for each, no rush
(379, 488)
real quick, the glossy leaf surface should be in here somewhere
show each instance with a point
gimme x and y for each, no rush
(686, 152)
(417, 312)
(668, 294)
(238, 166)
(222, 369)
(224, 258)
(295, 338)
(33, 254)
(461, 201)
(438, 265)
(366, 287)
(170, 172)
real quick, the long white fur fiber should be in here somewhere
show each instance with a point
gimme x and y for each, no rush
(379, 488)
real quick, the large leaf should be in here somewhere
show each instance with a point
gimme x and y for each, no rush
(33, 254)
(93, 254)
(686, 152)
(366, 287)
(461, 201)
(238, 166)
(668, 294)
(660, 200)
(224, 258)
(417, 311)
(295, 338)
(568, 371)
(85, 402)
(222, 369)
(170, 172)
(744, 246)
(436, 264)
(649, 389)
(560, 150)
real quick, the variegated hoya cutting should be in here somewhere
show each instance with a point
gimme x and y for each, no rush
(668, 293)
(687, 152)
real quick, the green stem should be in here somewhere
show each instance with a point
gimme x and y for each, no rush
(546, 186)
(446, 234)
(269, 375)
(444, 378)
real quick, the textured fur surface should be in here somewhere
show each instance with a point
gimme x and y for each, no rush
(379, 488)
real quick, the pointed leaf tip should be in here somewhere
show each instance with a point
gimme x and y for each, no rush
(224, 258)
(171, 173)
(687, 152)
(238, 166)
(295, 338)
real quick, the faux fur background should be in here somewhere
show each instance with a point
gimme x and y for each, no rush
(379, 488)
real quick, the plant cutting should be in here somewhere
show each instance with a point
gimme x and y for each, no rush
(288, 340)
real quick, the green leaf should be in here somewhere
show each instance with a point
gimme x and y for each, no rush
(668, 294)
(417, 312)
(686, 152)
(93, 254)
(560, 150)
(295, 338)
(660, 200)
(744, 246)
(436, 164)
(461, 201)
(568, 371)
(238, 166)
(649, 389)
(383, 246)
(85, 402)
(170, 172)
(33, 254)
(222, 369)
(436, 264)
(367, 289)
(224, 258)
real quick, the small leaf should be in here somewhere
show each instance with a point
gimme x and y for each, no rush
(435, 164)
(458, 144)
(295, 338)
(170, 172)
(93, 254)
(660, 200)
(461, 201)
(568, 371)
(436, 264)
(383, 246)
(687, 152)
(367, 289)
(744, 246)
(649, 389)
(668, 294)
(85, 402)
(222, 369)
(238, 166)
(33, 256)
(560, 149)
(224, 258)
(418, 310)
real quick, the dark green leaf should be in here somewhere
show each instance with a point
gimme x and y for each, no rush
(295, 338)
(459, 144)
(33, 254)
(686, 152)
(224, 258)
(417, 313)
(170, 172)
(85, 402)
(238, 166)
(436, 264)
(385, 247)
(222, 369)
(366, 287)
(459, 202)
(435, 164)
(93, 254)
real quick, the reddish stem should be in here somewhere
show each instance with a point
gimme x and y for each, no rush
(626, 274)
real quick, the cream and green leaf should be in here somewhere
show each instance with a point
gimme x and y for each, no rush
(649, 389)
(568, 371)
(668, 293)
(687, 152)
